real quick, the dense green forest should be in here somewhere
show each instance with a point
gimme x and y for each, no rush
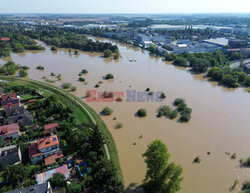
(18, 41)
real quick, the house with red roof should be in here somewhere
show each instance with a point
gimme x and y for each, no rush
(5, 39)
(44, 148)
(10, 100)
(9, 132)
(50, 128)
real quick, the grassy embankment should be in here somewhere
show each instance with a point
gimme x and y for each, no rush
(80, 114)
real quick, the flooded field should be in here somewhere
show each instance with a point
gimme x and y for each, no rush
(219, 123)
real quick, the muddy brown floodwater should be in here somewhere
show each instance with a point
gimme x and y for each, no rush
(219, 123)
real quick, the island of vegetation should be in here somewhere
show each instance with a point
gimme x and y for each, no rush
(20, 40)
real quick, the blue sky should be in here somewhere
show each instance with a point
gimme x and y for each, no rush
(125, 6)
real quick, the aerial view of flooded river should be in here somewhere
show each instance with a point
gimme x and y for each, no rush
(219, 122)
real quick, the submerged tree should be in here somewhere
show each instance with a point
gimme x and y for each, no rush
(161, 177)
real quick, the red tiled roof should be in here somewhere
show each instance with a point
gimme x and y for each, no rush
(6, 96)
(31, 100)
(47, 142)
(9, 129)
(50, 126)
(52, 159)
(10, 100)
(5, 39)
(33, 150)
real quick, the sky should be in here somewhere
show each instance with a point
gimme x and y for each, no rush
(124, 6)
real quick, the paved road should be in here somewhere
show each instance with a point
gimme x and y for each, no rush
(237, 64)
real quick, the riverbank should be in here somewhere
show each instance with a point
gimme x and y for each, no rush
(83, 113)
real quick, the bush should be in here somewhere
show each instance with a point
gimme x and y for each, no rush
(119, 125)
(178, 101)
(199, 65)
(81, 79)
(170, 57)
(84, 71)
(58, 180)
(181, 107)
(53, 48)
(97, 86)
(246, 185)
(197, 160)
(40, 68)
(185, 117)
(107, 53)
(66, 85)
(173, 114)
(163, 95)
(109, 76)
(22, 73)
(164, 111)
(107, 111)
(141, 113)
(180, 61)
(233, 156)
(147, 89)
(150, 93)
(73, 88)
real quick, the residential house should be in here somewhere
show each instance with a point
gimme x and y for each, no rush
(5, 39)
(17, 114)
(49, 161)
(39, 188)
(9, 155)
(50, 128)
(45, 176)
(43, 148)
(10, 100)
(9, 132)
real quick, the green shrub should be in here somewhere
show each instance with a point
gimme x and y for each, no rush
(107, 111)
(197, 160)
(97, 85)
(53, 48)
(246, 185)
(163, 95)
(147, 89)
(164, 110)
(66, 85)
(40, 68)
(173, 114)
(119, 125)
(180, 61)
(181, 107)
(22, 73)
(84, 71)
(177, 101)
(107, 53)
(185, 117)
(233, 156)
(81, 79)
(73, 88)
(108, 76)
(141, 113)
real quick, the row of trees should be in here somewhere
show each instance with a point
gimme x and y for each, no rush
(218, 66)
(71, 38)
